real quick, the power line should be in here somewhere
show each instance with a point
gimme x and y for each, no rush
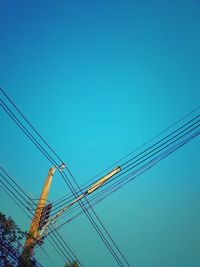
(32, 214)
(56, 246)
(29, 135)
(187, 115)
(165, 139)
(15, 183)
(155, 160)
(14, 194)
(20, 125)
(33, 128)
(148, 151)
(149, 156)
(65, 243)
(6, 179)
(180, 137)
(139, 147)
(2, 185)
(94, 224)
(135, 174)
(154, 144)
(57, 241)
(47, 255)
(115, 177)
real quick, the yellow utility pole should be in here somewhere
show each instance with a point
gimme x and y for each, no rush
(36, 232)
(33, 233)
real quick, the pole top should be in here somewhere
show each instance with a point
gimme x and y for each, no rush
(51, 171)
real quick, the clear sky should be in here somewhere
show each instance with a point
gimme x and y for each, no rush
(97, 79)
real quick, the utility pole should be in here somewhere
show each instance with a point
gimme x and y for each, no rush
(33, 234)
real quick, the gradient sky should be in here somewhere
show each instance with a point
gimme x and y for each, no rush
(97, 79)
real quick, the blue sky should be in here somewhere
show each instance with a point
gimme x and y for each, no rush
(97, 79)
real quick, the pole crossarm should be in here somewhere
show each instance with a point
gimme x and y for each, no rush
(104, 179)
(90, 190)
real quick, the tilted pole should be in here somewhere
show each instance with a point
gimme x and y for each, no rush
(33, 233)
